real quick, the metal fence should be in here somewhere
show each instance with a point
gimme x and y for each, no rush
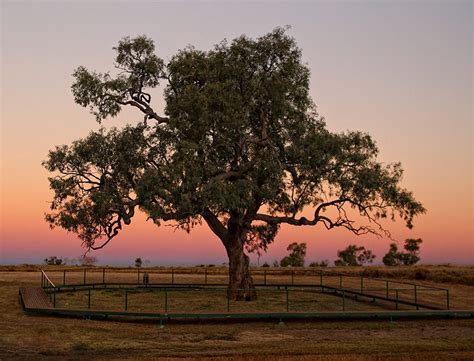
(301, 290)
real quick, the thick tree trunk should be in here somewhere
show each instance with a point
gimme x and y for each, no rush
(241, 287)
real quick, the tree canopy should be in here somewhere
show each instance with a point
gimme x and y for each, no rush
(240, 146)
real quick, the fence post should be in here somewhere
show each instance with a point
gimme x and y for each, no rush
(321, 277)
(447, 299)
(292, 277)
(386, 289)
(172, 276)
(103, 275)
(89, 298)
(343, 300)
(287, 300)
(64, 277)
(416, 298)
(340, 280)
(205, 276)
(166, 300)
(84, 276)
(396, 296)
(126, 300)
(264, 277)
(361, 284)
(42, 279)
(228, 301)
(54, 299)
(138, 276)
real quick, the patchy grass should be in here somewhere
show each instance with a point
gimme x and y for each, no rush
(26, 337)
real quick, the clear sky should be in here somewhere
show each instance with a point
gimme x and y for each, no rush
(401, 71)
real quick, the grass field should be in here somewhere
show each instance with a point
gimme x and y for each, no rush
(26, 337)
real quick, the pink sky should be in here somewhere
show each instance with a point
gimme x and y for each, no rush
(401, 72)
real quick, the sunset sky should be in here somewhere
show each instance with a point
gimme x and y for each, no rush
(401, 71)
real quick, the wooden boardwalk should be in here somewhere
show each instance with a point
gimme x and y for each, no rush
(35, 298)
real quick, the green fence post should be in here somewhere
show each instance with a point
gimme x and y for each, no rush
(396, 296)
(416, 298)
(89, 299)
(447, 299)
(126, 300)
(343, 300)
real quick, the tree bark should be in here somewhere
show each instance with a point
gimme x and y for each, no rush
(241, 287)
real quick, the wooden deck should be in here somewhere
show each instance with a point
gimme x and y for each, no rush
(35, 298)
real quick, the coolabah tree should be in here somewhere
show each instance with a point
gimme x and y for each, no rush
(239, 145)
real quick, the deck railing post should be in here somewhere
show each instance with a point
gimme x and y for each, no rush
(84, 276)
(228, 301)
(264, 277)
(166, 300)
(396, 296)
(386, 289)
(361, 284)
(447, 299)
(103, 275)
(292, 277)
(89, 299)
(42, 279)
(64, 277)
(287, 300)
(54, 299)
(138, 276)
(172, 276)
(340, 280)
(321, 277)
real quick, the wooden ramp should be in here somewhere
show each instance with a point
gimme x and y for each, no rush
(34, 298)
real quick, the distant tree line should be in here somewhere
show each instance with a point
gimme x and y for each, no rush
(354, 255)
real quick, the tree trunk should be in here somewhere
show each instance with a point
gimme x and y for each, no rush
(241, 287)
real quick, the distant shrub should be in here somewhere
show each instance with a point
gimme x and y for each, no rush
(266, 265)
(53, 261)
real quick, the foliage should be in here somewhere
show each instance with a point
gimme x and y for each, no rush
(138, 262)
(296, 256)
(324, 263)
(53, 261)
(265, 265)
(88, 260)
(407, 258)
(354, 256)
(241, 146)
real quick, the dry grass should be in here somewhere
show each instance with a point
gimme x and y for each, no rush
(26, 337)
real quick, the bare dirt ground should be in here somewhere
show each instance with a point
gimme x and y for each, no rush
(24, 337)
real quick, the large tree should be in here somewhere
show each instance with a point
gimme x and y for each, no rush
(239, 145)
